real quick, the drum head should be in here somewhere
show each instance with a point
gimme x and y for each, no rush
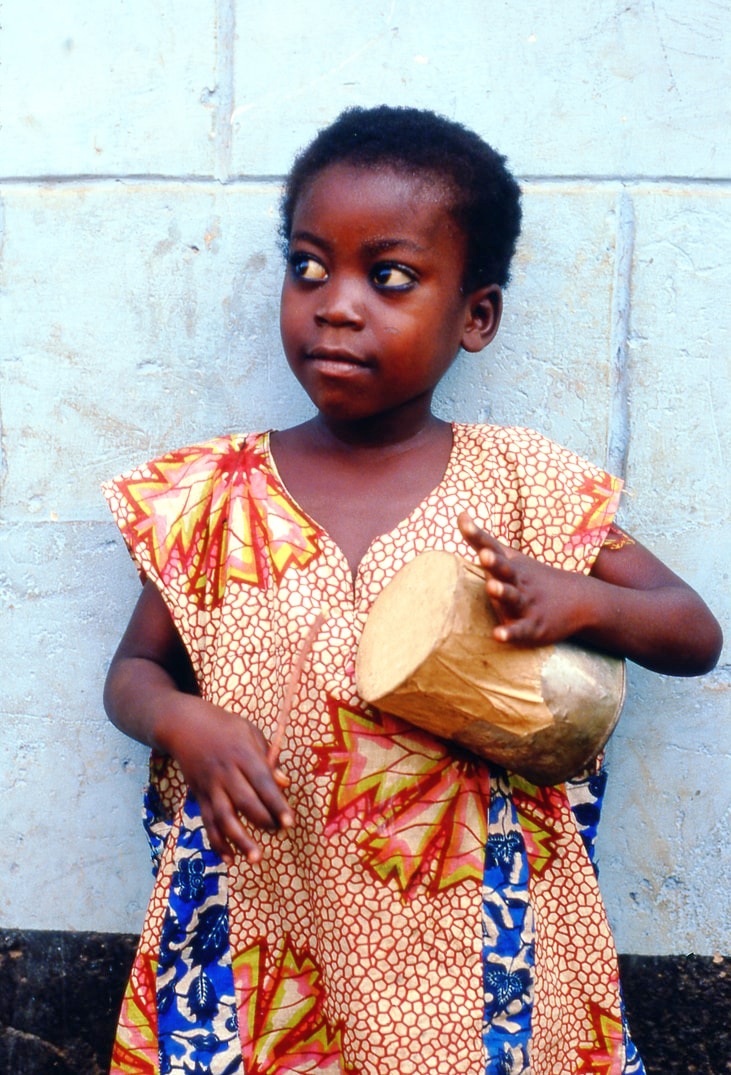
(408, 620)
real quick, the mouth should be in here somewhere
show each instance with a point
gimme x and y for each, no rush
(336, 361)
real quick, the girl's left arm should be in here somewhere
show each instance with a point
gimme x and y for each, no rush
(631, 605)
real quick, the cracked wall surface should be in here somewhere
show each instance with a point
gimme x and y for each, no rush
(141, 151)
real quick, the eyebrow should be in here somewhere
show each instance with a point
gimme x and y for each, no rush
(380, 246)
(309, 237)
(371, 246)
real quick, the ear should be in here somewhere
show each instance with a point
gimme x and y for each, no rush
(484, 310)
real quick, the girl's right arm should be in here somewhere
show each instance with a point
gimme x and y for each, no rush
(223, 756)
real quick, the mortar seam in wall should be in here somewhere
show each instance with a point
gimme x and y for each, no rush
(148, 179)
(3, 452)
(626, 182)
(637, 179)
(619, 374)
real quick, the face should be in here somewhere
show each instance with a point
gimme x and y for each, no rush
(372, 314)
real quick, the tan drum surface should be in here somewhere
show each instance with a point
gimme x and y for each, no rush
(427, 654)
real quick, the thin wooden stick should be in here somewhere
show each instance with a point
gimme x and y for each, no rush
(292, 683)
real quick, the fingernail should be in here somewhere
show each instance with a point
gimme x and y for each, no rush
(286, 819)
(281, 778)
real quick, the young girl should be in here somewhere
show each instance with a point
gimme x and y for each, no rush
(363, 898)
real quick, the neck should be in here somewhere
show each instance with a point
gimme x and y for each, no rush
(394, 429)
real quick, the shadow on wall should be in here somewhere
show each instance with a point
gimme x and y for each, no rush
(60, 992)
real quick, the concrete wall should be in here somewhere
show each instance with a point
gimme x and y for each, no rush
(141, 145)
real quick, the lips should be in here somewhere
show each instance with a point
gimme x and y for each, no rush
(329, 360)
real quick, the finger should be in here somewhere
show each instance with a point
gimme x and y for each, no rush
(521, 632)
(242, 841)
(496, 562)
(280, 779)
(264, 809)
(256, 776)
(468, 527)
(471, 532)
(489, 549)
(230, 835)
(509, 597)
(218, 840)
(266, 786)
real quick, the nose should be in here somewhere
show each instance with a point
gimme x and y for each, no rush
(341, 303)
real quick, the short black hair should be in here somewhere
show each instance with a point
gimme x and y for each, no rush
(486, 196)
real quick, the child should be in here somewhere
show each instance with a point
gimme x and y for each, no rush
(371, 900)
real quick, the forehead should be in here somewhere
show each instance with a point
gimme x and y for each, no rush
(377, 200)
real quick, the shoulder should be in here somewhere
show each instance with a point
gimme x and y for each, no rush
(509, 442)
(165, 494)
(209, 452)
(524, 452)
(565, 504)
(173, 511)
(194, 465)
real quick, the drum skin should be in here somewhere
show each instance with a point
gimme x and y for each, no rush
(427, 654)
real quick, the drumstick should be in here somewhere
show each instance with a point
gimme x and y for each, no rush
(292, 683)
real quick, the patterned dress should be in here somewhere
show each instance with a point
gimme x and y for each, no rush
(427, 912)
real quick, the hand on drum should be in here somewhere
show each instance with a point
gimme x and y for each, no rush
(536, 604)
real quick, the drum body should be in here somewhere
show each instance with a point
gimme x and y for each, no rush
(427, 654)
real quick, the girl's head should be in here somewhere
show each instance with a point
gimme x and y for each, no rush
(481, 195)
(399, 227)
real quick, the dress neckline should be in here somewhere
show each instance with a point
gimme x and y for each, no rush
(405, 523)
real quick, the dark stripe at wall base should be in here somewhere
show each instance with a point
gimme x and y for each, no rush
(60, 992)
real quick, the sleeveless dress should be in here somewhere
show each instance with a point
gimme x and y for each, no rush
(427, 912)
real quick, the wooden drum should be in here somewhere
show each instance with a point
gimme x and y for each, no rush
(427, 654)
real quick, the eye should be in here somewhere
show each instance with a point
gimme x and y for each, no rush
(392, 277)
(307, 267)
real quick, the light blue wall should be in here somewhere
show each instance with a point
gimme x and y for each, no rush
(140, 150)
